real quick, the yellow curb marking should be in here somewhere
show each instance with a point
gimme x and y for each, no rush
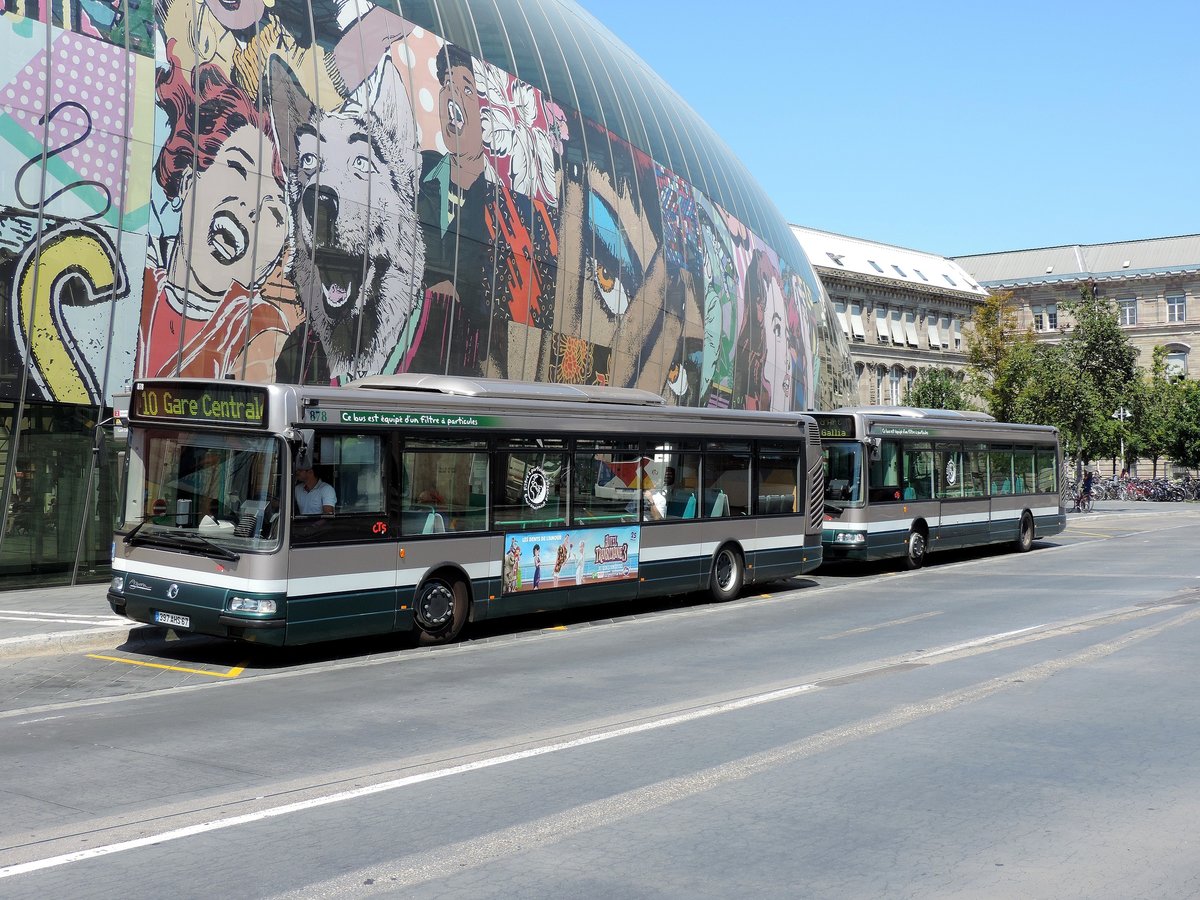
(232, 673)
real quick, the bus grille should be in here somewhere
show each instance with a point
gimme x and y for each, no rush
(816, 501)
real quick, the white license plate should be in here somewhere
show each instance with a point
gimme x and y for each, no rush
(163, 618)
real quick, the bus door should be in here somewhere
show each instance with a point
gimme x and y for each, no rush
(342, 575)
(966, 510)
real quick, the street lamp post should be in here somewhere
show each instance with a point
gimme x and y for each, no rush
(1121, 415)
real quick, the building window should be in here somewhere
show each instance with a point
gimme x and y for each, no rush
(1127, 310)
(950, 280)
(856, 323)
(881, 325)
(1176, 308)
(920, 274)
(935, 342)
(879, 372)
(894, 385)
(899, 271)
(842, 317)
(897, 324)
(910, 329)
(875, 266)
(954, 325)
(1177, 361)
(1045, 318)
(944, 332)
(837, 258)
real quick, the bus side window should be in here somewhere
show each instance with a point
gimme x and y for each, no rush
(445, 487)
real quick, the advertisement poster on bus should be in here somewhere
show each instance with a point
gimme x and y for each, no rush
(541, 560)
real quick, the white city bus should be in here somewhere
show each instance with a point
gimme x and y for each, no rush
(901, 482)
(446, 500)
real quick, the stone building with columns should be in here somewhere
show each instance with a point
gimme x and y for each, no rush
(901, 310)
(1155, 284)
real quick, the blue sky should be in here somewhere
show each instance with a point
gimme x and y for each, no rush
(949, 127)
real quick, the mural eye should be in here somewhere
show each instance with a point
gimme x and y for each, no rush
(612, 266)
(361, 164)
(610, 290)
(308, 161)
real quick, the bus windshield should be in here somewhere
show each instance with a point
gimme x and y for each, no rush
(205, 492)
(843, 473)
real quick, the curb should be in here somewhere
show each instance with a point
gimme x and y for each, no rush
(62, 642)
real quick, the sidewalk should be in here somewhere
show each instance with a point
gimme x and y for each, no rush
(41, 621)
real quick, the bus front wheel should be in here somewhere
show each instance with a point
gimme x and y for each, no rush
(725, 583)
(441, 611)
(914, 549)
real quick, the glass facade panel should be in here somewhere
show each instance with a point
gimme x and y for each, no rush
(493, 37)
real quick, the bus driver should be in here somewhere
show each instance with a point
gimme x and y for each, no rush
(313, 496)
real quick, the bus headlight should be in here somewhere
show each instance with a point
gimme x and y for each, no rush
(251, 605)
(118, 584)
(850, 537)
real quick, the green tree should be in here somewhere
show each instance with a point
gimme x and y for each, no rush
(999, 355)
(1100, 348)
(1055, 393)
(1183, 441)
(1151, 400)
(937, 388)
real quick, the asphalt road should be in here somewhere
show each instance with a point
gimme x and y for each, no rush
(996, 725)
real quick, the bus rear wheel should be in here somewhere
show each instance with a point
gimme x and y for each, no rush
(914, 549)
(441, 611)
(725, 582)
(1024, 542)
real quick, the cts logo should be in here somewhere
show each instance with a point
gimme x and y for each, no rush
(173, 592)
(379, 528)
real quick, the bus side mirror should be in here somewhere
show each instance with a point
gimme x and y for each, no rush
(304, 453)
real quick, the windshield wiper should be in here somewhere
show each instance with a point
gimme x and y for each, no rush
(136, 528)
(213, 549)
(184, 542)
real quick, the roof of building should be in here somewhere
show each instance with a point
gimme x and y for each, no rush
(830, 252)
(1153, 257)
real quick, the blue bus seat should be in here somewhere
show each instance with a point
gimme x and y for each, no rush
(689, 508)
(720, 506)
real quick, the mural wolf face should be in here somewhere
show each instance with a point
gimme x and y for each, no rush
(352, 181)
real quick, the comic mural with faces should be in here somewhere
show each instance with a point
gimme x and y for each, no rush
(318, 193)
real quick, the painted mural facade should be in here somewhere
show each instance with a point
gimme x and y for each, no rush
(314, 192)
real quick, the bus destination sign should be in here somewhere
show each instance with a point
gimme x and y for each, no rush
(213, 404)
(836, 426)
